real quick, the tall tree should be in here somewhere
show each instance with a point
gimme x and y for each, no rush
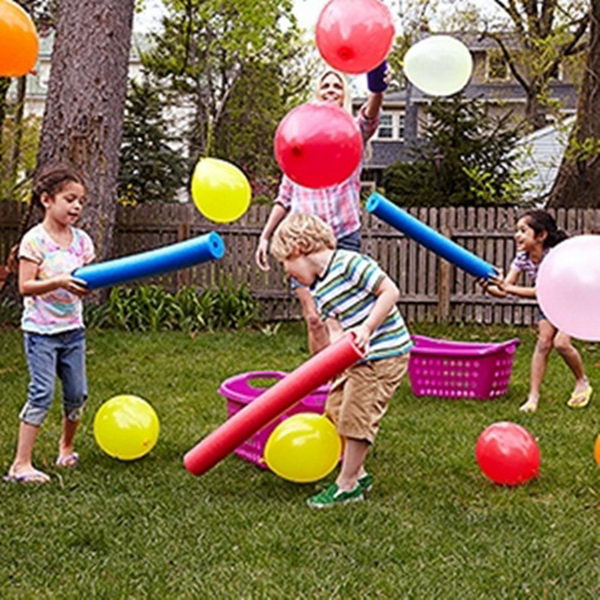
(544, 35)
(86, 95)
(578, 179)
(150, 169)
(210, 49)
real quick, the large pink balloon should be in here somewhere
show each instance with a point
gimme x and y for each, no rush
(318, 145)
(568, 287)
(507, 454)
(354, 36)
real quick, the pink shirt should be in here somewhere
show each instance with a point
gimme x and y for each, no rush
(338, 205)
(59, 310)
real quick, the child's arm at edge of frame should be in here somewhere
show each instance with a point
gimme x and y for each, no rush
(387, 296)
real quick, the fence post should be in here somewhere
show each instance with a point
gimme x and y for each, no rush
(183, 276)
(443, 273)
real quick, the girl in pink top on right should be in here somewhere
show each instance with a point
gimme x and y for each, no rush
(535, 235)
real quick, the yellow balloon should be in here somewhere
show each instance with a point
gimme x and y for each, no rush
(126, 427)
(305, 447)
(220, 190)
(439, 65)
(597, 450)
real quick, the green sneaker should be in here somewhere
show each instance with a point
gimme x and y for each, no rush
(333, 495)
(366, 482)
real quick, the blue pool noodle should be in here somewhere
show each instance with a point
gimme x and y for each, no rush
(153, 262)
(428, 237)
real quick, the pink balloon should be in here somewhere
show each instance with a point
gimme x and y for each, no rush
(507, 454)
(318, 145)
(568, 287)
(354, 36)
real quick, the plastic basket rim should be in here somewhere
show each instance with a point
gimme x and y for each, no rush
(476, 349)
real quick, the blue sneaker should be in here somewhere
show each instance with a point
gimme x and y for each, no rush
(333, 495)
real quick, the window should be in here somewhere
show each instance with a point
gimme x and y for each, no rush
(497, 67)
(391, 126)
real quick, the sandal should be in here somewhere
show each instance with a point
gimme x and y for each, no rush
(530, 406)
(68, 461)
(33, 476)
(580, 399)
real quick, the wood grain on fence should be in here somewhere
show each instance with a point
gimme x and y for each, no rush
(431, 288)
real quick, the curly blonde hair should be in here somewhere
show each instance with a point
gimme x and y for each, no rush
(301, 233)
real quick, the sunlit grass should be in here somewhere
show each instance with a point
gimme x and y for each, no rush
(433, 527)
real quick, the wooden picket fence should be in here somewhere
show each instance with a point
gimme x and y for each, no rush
(431, 288)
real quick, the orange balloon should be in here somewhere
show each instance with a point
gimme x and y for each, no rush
(597, 450)
(19, 42)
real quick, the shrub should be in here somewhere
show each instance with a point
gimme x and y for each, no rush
(152, 308)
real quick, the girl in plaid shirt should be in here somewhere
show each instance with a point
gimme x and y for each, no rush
(337, 205)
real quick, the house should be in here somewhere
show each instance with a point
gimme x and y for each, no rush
(541, 153)
(403, 115)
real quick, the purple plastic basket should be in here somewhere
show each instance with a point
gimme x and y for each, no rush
(460, 369)
(239, 392)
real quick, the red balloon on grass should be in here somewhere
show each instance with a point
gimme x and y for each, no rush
(354, 36)
(507, 454)
(318, 145)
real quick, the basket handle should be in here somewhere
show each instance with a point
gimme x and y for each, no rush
(278, 375)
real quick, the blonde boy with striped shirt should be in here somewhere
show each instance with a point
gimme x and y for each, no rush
(352, 293)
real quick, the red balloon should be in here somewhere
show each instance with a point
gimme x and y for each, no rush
(355, 36)
(507, 454)
(318, 145)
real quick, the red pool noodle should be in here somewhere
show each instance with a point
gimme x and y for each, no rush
(316, 371)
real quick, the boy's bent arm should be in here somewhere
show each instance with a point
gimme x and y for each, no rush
(387, 296)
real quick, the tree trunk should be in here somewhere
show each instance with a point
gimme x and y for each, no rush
(578, 181)
(83, 119)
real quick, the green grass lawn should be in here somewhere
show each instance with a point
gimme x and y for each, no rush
(432, 528)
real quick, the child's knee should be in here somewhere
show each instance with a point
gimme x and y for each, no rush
(544, 344)
(562, 344)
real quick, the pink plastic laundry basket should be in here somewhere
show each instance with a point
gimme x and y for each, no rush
(460, 369)
(239, 392)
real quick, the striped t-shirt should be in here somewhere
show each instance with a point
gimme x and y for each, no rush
(346, 292)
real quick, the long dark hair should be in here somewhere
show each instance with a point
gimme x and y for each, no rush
(49, 179)
(541, 221)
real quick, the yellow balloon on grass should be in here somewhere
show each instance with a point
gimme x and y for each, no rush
(220, 190)
(126, 427)
(439, 65)
(303, 448)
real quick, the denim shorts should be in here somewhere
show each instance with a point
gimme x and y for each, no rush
(61, 354)
(348, 242)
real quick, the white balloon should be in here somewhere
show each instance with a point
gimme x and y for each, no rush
(439, 65)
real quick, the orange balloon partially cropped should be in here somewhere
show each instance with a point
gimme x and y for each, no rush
(19, 42)
(597, 450)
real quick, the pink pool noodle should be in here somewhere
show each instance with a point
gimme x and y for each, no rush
(316, 371)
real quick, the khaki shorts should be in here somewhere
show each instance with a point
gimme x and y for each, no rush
(359, 399)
